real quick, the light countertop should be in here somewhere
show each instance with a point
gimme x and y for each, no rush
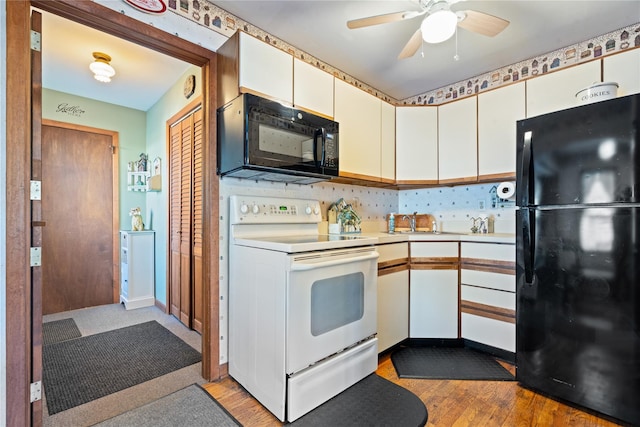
(429, 237)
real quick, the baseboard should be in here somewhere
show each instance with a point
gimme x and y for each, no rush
(505, 355)
(161, 306)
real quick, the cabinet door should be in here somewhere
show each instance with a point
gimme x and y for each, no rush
(358, 114)
(498, 111)
(312, 88)
(417, 145)
(393, 309)
(623, 69)
(557, 90)
(264, 69)
(388, 142)
(433, 304)
(458, 141)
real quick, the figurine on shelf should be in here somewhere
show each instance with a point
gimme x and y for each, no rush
(142, 162)
(136, 219)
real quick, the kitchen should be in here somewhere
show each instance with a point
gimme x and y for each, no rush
(367, 198)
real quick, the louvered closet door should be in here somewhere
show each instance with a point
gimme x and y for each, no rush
(186, 220)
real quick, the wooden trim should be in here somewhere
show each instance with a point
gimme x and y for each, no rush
(417, 182)
(18, 215)
(115, 224)
(434, 260)
(506, 176)
(392, 263)
(434, 266)
(394, 269)
(491, 265)
(462, 180)
(357, 176)
(18, 221)
(488, 311)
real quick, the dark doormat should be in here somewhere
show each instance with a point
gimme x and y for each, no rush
(59, 330)
(192, 406)
(374, 401)
(445, 363)
(84, 369)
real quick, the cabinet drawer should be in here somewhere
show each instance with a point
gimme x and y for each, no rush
(393, 251)
(489, 331)
(488, 297)
(434, 249)
(488, 251)
(485, 279)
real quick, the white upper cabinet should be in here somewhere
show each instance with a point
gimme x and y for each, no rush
(416, 144)
(312, 88)
(458, 141)
(388, 142)
(624, 69)
(498, 111)
(557, 90)
(265, 69)
(358, 114)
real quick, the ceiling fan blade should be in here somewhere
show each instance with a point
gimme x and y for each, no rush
(383, 19)
(482, 23)
(412, 45)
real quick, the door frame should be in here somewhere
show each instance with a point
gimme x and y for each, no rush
(19, 298)
(115, 214)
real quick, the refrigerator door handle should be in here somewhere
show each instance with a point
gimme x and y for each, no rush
(528, 243)
(526, 169)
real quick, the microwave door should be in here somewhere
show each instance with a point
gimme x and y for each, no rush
(319, 147)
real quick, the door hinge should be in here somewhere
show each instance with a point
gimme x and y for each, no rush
(35, 258)
(35, 40)
(36, 391)
(36, 193)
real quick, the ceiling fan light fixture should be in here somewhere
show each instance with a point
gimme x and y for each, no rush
(100, 67)
(439, 26)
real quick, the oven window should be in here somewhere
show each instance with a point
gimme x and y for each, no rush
(336, 302)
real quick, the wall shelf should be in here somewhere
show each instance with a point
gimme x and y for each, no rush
(138, 181)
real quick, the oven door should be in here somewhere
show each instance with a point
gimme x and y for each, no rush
(331, 304)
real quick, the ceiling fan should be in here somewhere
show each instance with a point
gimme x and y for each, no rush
(439, 24)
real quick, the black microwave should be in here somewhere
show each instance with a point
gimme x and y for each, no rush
(262, 139)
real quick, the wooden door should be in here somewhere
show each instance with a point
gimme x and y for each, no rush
(77, 202)
(186, 219)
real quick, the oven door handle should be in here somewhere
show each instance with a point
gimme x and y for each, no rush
(304, 266)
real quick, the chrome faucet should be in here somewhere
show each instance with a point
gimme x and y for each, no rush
(412, 220)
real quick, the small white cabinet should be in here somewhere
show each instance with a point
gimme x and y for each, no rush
(434, 290)
(623, 68)
(557, 90)
(498, 111)
(488, 299)
(458, 141)
(393, 294)
(312, 88)
(137, 272)
(417, 145)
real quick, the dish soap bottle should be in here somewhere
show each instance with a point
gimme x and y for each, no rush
(392, 223)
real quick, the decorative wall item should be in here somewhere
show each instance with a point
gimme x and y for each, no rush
(155, 181)
(189, 86)
(149, 6)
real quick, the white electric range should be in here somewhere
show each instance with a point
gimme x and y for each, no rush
(302, 305)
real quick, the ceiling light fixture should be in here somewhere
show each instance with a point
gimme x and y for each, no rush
(439, 25)
(102, 70)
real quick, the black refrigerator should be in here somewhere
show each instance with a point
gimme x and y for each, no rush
(578, 256)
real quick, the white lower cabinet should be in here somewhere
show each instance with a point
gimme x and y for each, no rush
(487, 294)
(393, 294)
(137, 272)
(433, 308)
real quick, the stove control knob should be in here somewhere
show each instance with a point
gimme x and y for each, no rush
(244, 208)
(255, 209)
(307, 210)
(316, 210)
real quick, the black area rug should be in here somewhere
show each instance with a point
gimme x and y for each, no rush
(84, 369)
(59, 330)
(192, 406)
(458, 363)
(374, 401)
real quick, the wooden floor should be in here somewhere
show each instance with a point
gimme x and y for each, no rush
(449, 403)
